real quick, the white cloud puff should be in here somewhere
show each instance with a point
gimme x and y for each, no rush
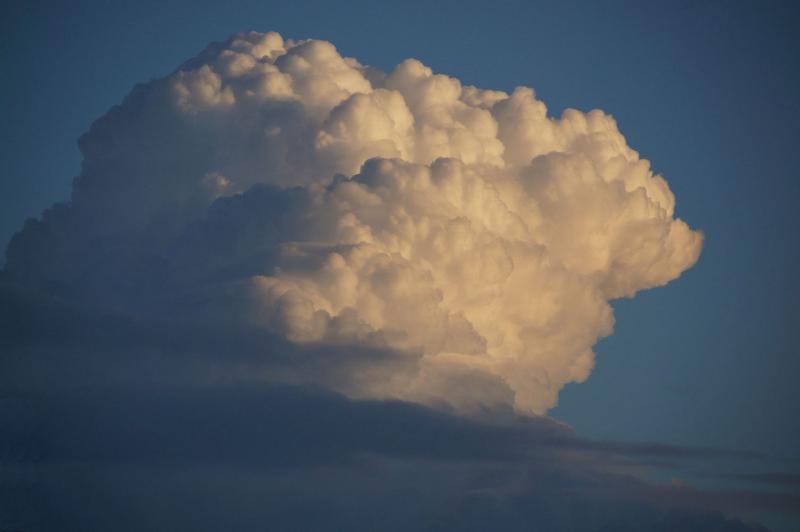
(329, 202)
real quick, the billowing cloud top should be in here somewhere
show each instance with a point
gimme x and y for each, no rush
(277, 185)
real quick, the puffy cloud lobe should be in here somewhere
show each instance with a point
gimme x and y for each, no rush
(327, 202)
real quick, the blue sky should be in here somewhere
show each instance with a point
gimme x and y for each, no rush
(707, 93)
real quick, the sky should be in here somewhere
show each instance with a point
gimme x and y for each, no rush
(706, 93)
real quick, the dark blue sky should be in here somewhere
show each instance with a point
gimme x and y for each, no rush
(708, 93)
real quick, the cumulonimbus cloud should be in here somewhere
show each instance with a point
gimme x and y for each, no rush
(278, 184)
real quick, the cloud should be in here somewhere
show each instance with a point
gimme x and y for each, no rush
(291, 291)
(780, 479)
(279, 184)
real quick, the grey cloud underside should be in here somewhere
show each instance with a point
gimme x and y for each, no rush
(309, 461)
(165, 431)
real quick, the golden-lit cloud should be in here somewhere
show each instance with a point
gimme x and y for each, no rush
(327, 202)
